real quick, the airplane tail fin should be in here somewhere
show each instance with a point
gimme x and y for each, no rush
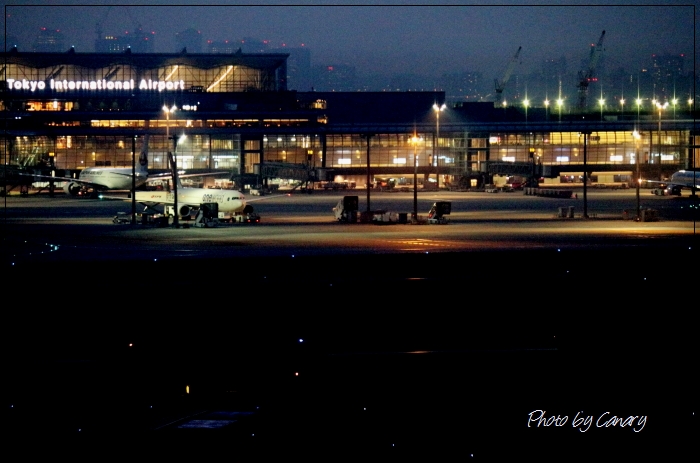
(143, 156)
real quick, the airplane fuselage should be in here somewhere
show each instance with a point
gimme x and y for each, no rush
(687, 178)
(228, 200)
(112, 178)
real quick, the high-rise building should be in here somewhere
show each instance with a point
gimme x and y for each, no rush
(190, 39)
(49, 41)
(463, 86)
(252, 45)
(667, 70)
(224, 46)
(137, 41)
(335, 78)
(298, 68)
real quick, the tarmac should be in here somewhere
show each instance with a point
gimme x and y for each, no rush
(493, 352)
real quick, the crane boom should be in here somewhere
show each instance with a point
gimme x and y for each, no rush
(588, 74)
(501, 84)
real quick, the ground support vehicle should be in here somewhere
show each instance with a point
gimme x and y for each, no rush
(122, 217)
(437, 213)
(346, 209)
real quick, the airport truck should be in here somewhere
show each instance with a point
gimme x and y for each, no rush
(437, 213)
(346, 209)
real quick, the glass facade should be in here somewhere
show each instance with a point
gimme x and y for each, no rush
(458, 152)
(52, 92)
(126, 78)
(563, 148)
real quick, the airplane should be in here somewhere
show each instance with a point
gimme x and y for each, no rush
(231, 205)
(688, 178)
(94, 180)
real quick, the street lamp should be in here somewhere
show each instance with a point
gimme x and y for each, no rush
(173, 160)
(622, 106)
(661, 107)
(560, 102)
(690, 105)
(546, 109)
(415, 141)
(526, 103)
(639, 104)
(637, 137)
(674, 102)
(601, 102)
(436, 154)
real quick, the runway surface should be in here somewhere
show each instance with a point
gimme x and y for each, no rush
(503, 334)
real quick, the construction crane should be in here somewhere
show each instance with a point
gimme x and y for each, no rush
(501, 84)
(588, 75)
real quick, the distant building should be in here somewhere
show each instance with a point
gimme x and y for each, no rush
(137, 42)
(251, 45)
(225, 46)
(49, 41)
(299, 75)
(463, 86)
(190, 40)
(334, 78)
(667, 70)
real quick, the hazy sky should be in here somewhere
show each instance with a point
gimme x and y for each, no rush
(451, 36)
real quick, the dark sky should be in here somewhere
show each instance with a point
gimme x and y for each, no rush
(452, 37)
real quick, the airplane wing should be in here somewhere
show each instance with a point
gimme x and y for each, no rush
(167, 175)
(688, 185)
(84, 183)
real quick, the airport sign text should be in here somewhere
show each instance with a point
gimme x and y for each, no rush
(68, 85)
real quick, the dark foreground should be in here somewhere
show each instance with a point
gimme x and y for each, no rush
(490, 356)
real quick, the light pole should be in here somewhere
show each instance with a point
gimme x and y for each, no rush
(173, 161)
(415, 140)
(674, 102)
(546, 109)
(436, 154)
(602, 103)
(526, 103)
(661, 107)
(637, 137)
(622, 107)
(560, 102)
(133, 179)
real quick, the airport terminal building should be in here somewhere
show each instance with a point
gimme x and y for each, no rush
(233, 113)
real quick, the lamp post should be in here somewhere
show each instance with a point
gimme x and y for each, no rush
(602, 103)
(674, 102)
(415, 140)
(661, 107)
(560, 102)
(622, 107)
(546, 109)
(526, 103)
(173, 160)
(637, 137)
(436, 154)
(133, 180)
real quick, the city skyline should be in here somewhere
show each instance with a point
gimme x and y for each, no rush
(453, 42)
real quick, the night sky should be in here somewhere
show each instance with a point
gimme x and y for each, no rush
(395, 38)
